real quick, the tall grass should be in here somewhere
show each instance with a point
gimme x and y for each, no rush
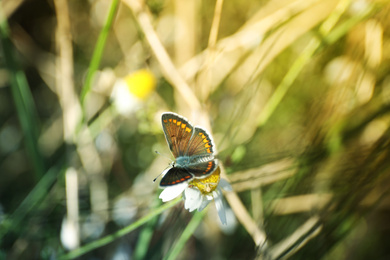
(295, 92)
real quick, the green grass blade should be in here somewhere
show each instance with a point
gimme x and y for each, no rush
(145, 236)
(23, 100)
(187, 233)
(99, 48)
(300, 63)
(108, 239)
(346, 26)
(32, 200)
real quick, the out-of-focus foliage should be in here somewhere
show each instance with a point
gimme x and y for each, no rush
(295, 92)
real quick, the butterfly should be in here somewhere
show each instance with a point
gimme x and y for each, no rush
(192, 147)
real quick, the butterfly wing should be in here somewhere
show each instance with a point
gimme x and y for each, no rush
(175, 176)
(186, 141)
(201, 153)
(201, 145)
(203, 169)
(178, 132)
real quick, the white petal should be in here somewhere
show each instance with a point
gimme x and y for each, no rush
(231, 220)
(224, 184)
(124, 101)
(172, 192)
(209, 197)
(193, 199)
(219, 205)
(204, 203)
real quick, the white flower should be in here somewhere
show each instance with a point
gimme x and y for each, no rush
(130, 92)
(196, 198)
(124, 102)
(172, 192)
(199, 192)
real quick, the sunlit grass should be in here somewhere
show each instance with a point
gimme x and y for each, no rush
(108, 239)
(98, 50)
(296, 99)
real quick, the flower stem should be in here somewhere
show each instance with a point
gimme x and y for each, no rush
(108, 239)
(188, 231)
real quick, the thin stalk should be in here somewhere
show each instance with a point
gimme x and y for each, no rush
(108, 239)
(24, 103)
(187, 233)
(99, 48)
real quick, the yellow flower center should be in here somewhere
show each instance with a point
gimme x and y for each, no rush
(208, 184)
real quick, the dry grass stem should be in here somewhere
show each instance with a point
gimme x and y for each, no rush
(243, 215)
(167, 66)
(10, 6)
(205, 76)
(263, 175)
(290, 245)
(299, 204)
(71, 112)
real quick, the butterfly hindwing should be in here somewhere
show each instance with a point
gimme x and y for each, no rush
(174, 176)
(203, 169)
(178, 132)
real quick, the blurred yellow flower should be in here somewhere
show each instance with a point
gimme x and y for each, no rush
(129, 92)
(141, 83)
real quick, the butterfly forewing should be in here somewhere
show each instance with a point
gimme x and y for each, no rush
(178, 132)
(174, 176)
(201, 144)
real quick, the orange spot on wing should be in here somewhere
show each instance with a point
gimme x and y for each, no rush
(188, 130)
(165, 121)
(209, 166)
(170, 120)
(178, 123)
(207, 145)
(205, 141)
(208, 150)
(183, 126)
(174, 121)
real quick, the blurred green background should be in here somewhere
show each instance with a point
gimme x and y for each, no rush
(296, 94)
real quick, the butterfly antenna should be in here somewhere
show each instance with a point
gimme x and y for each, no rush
(170, 164)
(156, 177)
(160, 174)
(164, 155)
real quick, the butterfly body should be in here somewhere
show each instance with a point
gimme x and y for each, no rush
(192, 148)
(188, 161)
